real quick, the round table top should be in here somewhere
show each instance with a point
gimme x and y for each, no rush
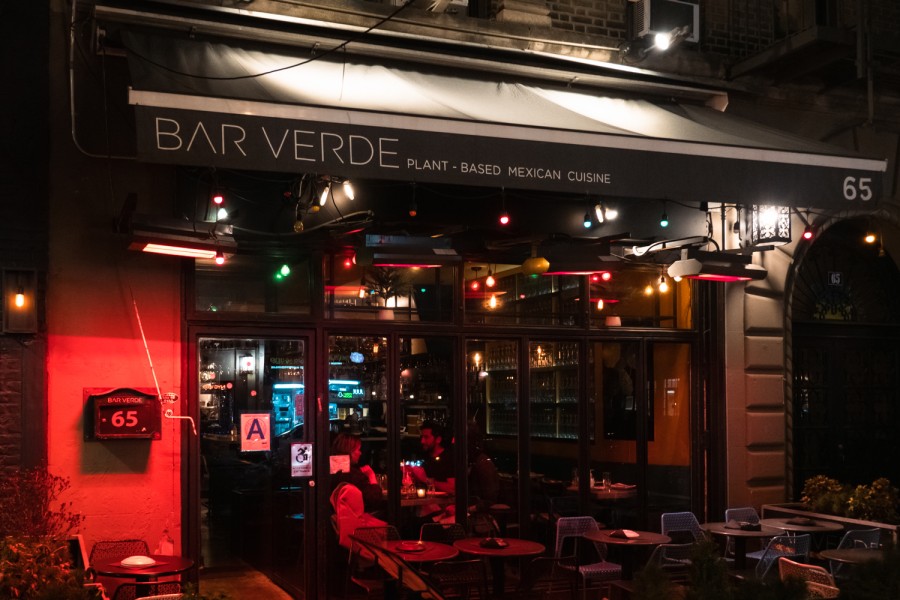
(852, 555)
(163, 565)
(719, 528)
(645, 538)
(611, 492)
(817, 526)
(515, 547)
(430, 551)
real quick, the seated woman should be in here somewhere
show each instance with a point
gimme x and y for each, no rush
(363, 477)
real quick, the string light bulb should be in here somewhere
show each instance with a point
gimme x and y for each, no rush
(323, 197)
(218, 198)
(220, 257)
(870, 237)
(808, 233)
(664, 220)
(504, 215)
(599, 212)
(663, 286)
(348, 190)
(504, 218)
(490, 281)
(605, 275)
(588, 223)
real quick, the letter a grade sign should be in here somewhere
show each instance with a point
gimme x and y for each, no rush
(255, 432)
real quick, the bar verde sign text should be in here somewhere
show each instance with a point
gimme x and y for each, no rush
(465, 153)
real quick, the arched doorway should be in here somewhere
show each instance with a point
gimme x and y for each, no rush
(845, 325)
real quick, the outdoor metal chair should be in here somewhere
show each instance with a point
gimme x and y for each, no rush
(546, 575)
(116, 550)
(821, 590)
(854, 538)
(569, 530)
(460, 578)
(672, 558)
(682, 527)
(790, 568)
(361, 570)
(743, 514)
(794, 546)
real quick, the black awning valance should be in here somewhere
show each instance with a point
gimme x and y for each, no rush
(213, 104)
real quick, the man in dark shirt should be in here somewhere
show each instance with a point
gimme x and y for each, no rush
(438, 463)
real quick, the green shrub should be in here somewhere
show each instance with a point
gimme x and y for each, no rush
(28, 505)
(38, 568)
(876, 502)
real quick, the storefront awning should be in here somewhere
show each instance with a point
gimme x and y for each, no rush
(226, 106)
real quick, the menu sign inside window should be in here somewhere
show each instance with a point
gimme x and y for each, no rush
(124, 414)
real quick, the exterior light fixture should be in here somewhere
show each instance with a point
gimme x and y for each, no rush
(19, 307)
(715, 266)
(770, 225)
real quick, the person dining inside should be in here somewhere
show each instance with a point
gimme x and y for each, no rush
(363, 477)
(438, 463)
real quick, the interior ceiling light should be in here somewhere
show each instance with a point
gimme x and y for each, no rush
(600, 304)
(492, 303)
(715, 266)
(490, 281)
(475, 285)
(535, 265)
(504, 215)
(663, 286)
(648, 291)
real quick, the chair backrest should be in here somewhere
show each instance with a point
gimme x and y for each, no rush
(670, 555)
(118, 549)
(129, 591)
(78, 552)
(790, 568)
(684, 523)
(445, 533)
(861, 538)
(744, 513)
(460, 576)
(568, 528)
(782, 545)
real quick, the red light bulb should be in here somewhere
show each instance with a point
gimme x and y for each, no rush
(504, 218)
(605, 275)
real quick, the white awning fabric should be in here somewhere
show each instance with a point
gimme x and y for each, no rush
(223, 105)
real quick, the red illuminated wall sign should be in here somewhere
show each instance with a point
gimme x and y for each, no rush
(122, 413)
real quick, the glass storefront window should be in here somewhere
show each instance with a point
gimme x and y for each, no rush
(427, 439)
(251, 284)
(394, 293)
(499, 294)
(638, 297)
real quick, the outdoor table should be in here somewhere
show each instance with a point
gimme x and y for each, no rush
(783, 523)
(645, 539)
(439, 498)
(612, 493)
(740, 537)
(143, 576)
(852, 556)
(515, 548)
(416, 551)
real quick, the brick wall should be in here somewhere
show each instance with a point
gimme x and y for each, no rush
(10, 404)
(604, 18)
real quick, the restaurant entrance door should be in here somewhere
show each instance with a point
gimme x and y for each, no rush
(252, 420)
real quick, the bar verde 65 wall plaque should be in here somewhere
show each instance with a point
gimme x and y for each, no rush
(122, 413)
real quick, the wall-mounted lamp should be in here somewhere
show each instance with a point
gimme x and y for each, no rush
(19, 301)
(769, 225)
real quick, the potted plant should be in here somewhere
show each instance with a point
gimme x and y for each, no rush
(35, 563)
